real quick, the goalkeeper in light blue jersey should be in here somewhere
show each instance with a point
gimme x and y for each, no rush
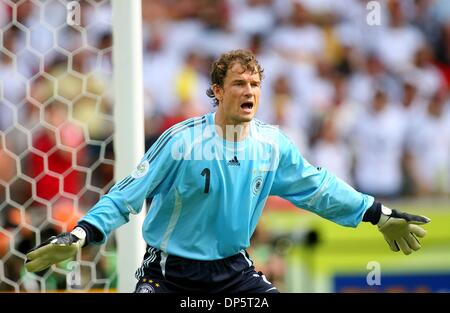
(208, 179)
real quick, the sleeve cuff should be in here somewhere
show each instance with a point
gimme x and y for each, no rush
(373, 213)
(92, 233)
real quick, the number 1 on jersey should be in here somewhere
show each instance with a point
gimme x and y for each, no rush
(206, 172)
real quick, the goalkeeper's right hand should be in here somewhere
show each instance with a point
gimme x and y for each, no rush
(55, 250)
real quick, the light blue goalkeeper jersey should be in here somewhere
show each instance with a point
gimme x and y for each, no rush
(208, 194)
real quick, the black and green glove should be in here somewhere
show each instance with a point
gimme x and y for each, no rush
(54, 250)
(401, 229)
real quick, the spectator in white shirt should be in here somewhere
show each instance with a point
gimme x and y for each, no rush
(429, 147)
(398, 43)
(331, 152)
(379, 144)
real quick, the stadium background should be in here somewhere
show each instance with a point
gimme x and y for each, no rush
(369, 102)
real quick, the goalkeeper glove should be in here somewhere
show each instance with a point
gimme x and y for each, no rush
(55, 250)
(400, 229)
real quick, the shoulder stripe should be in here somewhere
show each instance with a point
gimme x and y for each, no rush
(163, 143)
(167, 139)
(166, 133)
(266, 126)
(129, 182)
(124, 181)
(171, 130)
(260, 124)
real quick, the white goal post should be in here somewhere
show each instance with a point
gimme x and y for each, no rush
(129, 127)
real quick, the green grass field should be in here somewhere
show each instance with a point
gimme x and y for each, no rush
(347, 251)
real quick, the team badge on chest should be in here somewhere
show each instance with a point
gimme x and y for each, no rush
(257, 185)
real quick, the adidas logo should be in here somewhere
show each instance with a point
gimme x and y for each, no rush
(234, 162)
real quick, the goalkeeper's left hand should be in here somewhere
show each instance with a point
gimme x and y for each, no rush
(400, 229)
(54, 250)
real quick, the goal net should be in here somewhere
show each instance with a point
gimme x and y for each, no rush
(56, 135)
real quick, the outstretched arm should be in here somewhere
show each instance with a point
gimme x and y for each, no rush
(321, 192)
(154, 173)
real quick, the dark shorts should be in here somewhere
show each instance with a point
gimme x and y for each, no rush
(162, 273)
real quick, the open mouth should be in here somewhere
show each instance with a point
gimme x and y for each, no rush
(247, 105)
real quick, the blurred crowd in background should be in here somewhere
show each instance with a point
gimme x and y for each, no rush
(368, 102)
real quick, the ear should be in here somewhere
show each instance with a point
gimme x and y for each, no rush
(218, 92)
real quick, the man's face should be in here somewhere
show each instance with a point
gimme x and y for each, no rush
(239, 96)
